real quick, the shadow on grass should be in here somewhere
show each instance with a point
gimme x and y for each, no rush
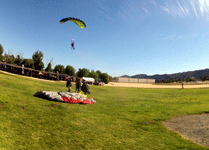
(206, 112)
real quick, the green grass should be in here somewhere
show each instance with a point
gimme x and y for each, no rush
(122, 118)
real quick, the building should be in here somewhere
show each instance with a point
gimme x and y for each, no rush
(135, 80)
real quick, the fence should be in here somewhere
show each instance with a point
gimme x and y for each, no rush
(31, 72)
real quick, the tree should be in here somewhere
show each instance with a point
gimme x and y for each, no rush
(99, 72)
(49, 67)
(94, 75)
(1, 52)
(19, 59)
(191, 79)
(83, 72)
(59, 68)
(9, 58)
(110, 78)
(204, 78)
(1, 49)
(29, 63)
(105, 78)
(70, 70)
(37, 58)
(172, 80)
(1, 57)
(115, 78)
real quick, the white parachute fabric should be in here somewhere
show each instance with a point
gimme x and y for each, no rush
(57, 96)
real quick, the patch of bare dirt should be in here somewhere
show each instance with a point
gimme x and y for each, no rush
(192, 127)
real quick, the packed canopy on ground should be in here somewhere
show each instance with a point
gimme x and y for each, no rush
(65, 97)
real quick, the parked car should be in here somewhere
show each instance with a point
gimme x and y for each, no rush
(99, 83)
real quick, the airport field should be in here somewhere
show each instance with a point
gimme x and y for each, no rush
(122, 118)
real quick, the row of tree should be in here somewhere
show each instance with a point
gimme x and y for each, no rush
(37, 63)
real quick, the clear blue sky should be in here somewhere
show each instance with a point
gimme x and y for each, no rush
(121, 37)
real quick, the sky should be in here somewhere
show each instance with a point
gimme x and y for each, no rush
(122, 37)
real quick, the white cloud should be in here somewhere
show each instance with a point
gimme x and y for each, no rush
(166, 9)
(178, 8)
(193, 5)
(201, 2)
(204, 8)
(182, 9)
(185, 8)
(154, 3)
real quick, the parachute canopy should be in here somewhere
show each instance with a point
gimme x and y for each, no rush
(77, 21)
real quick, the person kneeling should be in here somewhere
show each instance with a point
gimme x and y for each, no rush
(85, 87)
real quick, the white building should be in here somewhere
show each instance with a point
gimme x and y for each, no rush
(135, 80)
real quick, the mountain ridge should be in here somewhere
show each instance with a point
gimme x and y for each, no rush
(197, 74)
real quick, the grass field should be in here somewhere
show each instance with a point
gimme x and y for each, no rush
(122, 118)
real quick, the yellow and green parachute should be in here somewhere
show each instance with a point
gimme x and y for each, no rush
(77, 21)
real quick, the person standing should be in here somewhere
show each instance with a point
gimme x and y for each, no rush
(22, 69)
(69, 85)
(78, 85)
(4, 65)
(57, 75)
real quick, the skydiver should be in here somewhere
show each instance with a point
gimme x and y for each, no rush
(72, 44)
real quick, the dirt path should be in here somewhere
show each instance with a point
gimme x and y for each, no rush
(145, 85)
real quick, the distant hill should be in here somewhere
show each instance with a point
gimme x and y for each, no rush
(197, 74)
(125, 76)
